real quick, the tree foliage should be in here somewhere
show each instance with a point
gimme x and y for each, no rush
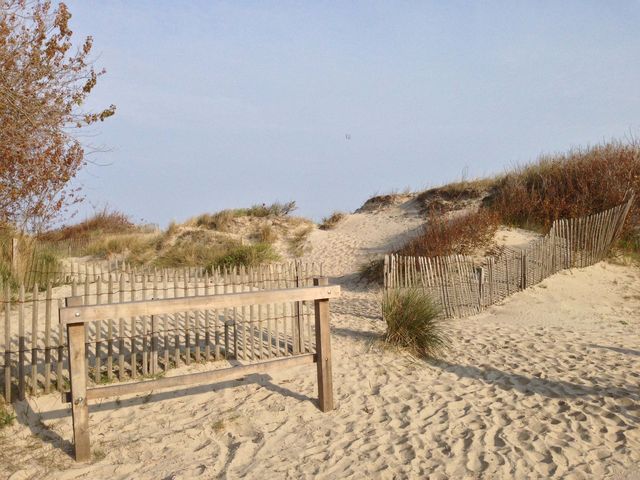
(44, 82)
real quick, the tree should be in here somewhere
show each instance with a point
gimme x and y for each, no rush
(43, 86)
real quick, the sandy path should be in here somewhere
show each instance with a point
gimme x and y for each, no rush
(545, 385)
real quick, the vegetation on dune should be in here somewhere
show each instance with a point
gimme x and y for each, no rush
(462, 234)
(222, 221)
(331, 221)
(414, 323)
(30, 253)
(453, 196)
(197, 248)
(6, 418)
(297, 241)
(580, 182)
(101, 223)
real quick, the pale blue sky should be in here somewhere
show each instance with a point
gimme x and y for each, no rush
(227, 104)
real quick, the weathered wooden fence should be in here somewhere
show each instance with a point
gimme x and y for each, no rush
(465, 286)
(34, 350)
(255, 339)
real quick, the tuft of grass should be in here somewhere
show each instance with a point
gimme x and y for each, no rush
(462, 234)
(6, 417)
(276, 209)
(372, 271)
(220, 221)
(331, 221)
(414, 322)
(218, 425)
(98, 454)
(454, 196)
(298, 239)
(266, 234)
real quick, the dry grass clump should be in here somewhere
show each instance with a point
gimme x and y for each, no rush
(276, 209)
(378, 202)
(203, 248)
(134, 244)
(266, 234)
(580, 182)
(34, 259)
(220, 221)
(298, 240)
(331, 221)
(414, 323)
(223, 220)
(454, 196)
(101, 223)
(462, 234)
(6, 418)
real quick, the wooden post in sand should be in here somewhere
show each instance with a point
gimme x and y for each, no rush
(323, 349)
(15, 256)
(77, 373)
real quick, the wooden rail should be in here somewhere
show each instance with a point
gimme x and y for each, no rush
(75, 317)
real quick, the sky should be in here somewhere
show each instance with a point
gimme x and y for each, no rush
(228, 104)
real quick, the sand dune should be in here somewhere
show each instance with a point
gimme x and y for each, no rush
(545, 385)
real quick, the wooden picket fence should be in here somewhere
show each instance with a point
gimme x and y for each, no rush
(464, 286)
(35, 347)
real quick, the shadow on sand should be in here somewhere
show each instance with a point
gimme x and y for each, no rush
(594, 386)
(35, 420)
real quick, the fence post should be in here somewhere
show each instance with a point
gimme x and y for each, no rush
(78, 376)
(323, 349)
(481, 280)
(297, 322)
(15, 255)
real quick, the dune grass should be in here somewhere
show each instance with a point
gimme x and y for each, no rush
(331, 221)
(6, 417)
(580, 182)
(222, 221)
(414, 323)
(104, 222)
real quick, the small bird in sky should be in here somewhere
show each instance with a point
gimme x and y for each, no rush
(347, 136)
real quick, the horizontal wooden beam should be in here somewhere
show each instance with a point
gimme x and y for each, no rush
(221, 375)
(89, 313)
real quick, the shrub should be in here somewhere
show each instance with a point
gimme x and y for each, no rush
(102, 222)
(330, 222)
(414, 323)
(580, 182)
(445, 236)
(454, 196)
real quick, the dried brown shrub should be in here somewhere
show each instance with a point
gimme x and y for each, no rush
(445, 236)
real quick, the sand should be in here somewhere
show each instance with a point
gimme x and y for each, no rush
(544, 385)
